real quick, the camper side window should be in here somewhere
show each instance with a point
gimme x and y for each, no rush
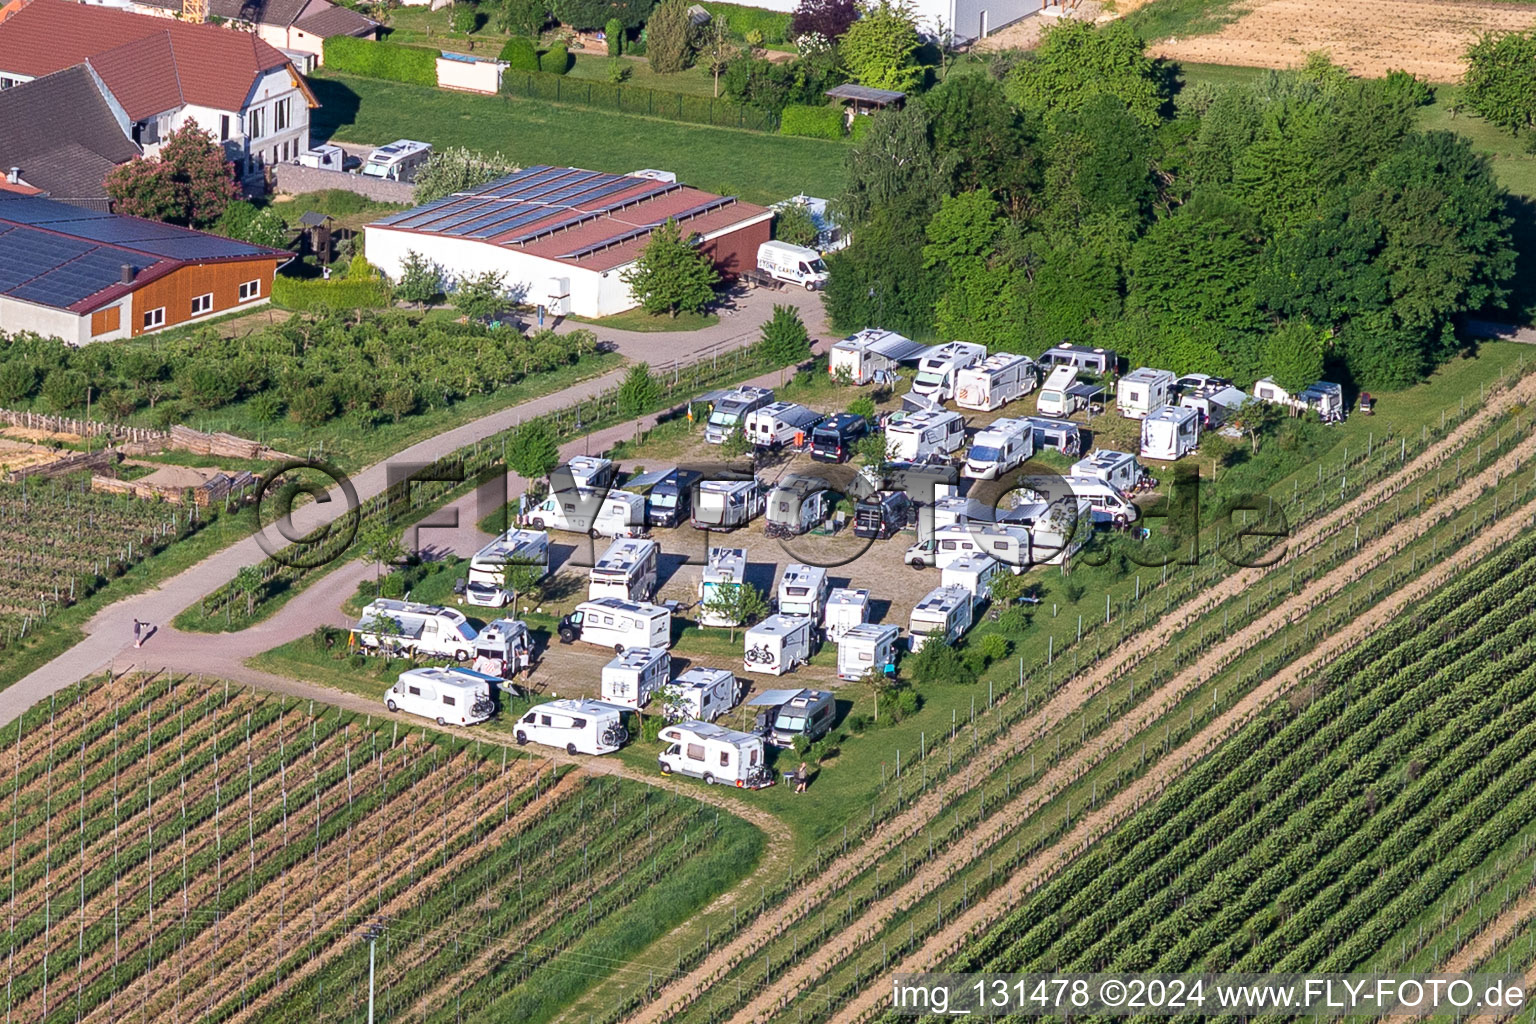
(578, 723)
(528, 718)
(450, 701)
(544, 720)
(414, 690)
(725, 759)
(695, 752)
(754, 756)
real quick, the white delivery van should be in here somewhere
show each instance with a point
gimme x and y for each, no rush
(703, 694)
(626, 570)
(944, 614)
(803, 591)
(727, 504)
(922, 435)
(846, 608)
(1097, 361)
(579, 726)
(797, 504)
(937, 371)
(973, 574)
(995, 381)
(792, 264)
(398, 161)
(790, 713)
(1119, 469)
(612, 622)
(1109, 504)
(1056, 398)
(726, 567)
(448, 696)
(871, 353)
(715, 754)
(779, 644)
(485, 587)
(1171, 432)
(1143, 390)
(864, 648)
(614, 514)
(633, 677)
(1001, 446)
(730, 411)
(426, 630)
(780, 423)
(498, 645)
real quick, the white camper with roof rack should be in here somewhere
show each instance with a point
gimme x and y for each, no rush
(1097, 361)
(726, 567)
(803, 591)
(871, 353)
(611, 622)
(423, 630)
(501, 646)
(924, 435)
(999, 447)
(588, 473)
(615, 514)
(780, 423)
(995, 381)
(846, 608)
(703, 694)
(779, 644)
(715, 754)
(448, 696)
(1143, 390)
(401, 160)
(866, 648)
(937, 371)
(974, 574)
(485, 587)
(943, 615)
(633, 677)
(730, 411)
(1171, 432)
(626, 570)
(727, 504)
(1119, 469)
(798, 504)
(578, 726)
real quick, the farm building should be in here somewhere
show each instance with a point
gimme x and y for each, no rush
(563, 236)
(83, 275)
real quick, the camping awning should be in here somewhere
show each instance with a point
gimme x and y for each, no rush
(773, 698)
(899, 349)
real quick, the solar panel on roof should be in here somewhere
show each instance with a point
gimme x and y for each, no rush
(395, 218)
(588, 213)
(74, 280)
(125, 231)
(197, 247)
(580, 211)
(32, 210)
(693, 211)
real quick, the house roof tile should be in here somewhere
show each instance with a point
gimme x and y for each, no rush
(60, 132)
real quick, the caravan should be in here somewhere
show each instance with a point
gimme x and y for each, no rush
(790, 713)
(1056, 529)
(730, 411)
(420, 630)
(921, 436)
(1325, 398)
(726, 567)
(703, 694)
(995, 381)
(1118, 469)
(611, 622)
(872, 353)
(846, 609)
(715, 754)
(579, 726)
(727, 504)
(1171, 432)
(1061, 395)
(780, 423)
(626, 570)
(866, 648)
(779, 644)
(487, 569)
(615, 514)
(945, 613)
(1097, 361)
(501, 647)
(632, 678)
(588, 474)
(973, 574)
(1004, 444)
(803, 591)
(798, 504)
(937, 371)
(449, 696)
(1215, 403)
(1143, 390)
(1059, 435)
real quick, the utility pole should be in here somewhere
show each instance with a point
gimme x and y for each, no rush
(372, 933)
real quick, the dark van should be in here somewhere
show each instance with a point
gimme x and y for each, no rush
(834, 438)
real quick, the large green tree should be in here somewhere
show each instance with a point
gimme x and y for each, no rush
(670, 37)
(672, 274)
(1500, 80)
(981, 140)
(1076, 61)
(880, 49)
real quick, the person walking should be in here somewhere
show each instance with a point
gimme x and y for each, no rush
(138, 633)
(802, 778)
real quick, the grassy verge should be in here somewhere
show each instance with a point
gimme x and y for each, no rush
(1163, 18)
(641, 321)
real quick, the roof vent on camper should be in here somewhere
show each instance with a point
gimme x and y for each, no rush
(14, 176)
(127, 275)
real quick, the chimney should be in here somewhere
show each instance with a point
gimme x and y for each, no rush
(14, 177)
(127, 277)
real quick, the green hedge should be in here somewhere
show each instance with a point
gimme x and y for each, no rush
(812, 122)
(556, 60)
(774, 25)
(860, 127)
(408, 64)
(636, 99)
(520, 53)
(301, 293)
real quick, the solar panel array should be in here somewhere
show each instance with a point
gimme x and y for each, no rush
(644, 229)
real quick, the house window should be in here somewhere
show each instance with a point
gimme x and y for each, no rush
(154, 318)
(280, 114)
(257, 122)
(250, 290)
(223, 127)
(202, 304)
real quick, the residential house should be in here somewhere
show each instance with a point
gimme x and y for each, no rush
(60, 135)
(297, 26)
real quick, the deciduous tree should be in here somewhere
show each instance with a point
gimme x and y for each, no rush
(672, 274)
(480, 296)
(670, 37)
(828, 19)
(421, 280)
(189, 182)
(880, 49)
(1500, 80)
(533, 451)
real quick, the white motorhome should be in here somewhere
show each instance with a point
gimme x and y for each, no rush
(1119, 469)
(1143, 390)
(703, 694)
(779, 423)
(1008, 543)
(715, 754)
(579, 726)
(616, 514)
(1061, 435)
(589, 474)
(973, 574)
(797, 504)
(726, 567)
(485, 587)
(945, 613)
(792, 264)
(1002, 445)
(730, 411)
(727, 504)
(1171, 432)
(633, 677)
(871, 353)
(937, 371)
(790, 713)
(803, 591)
(448, 696)
(922, 435)
(1107, 502)
(612, 622)
(398, 161)
(1057, 530)
(498, 646)
(779, 644)
(628, 570)
(1326, 398)
(864, 648)
(846, 608)
(995, 381)
(1215, 403)
(426, 630)
(1097, 361)
(1056, 396)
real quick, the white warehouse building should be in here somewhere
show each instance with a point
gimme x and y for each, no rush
(562, 237)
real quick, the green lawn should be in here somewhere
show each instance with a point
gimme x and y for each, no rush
(756, 166)
(695, 81)
(1163, 18)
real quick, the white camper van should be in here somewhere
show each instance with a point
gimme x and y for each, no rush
(798, 504)
(846, 608)
(619, 624)
(730, 411)
(1119, 469)
(1008, 543)
(1171, 432)
(626, 570)
(615, 514)
(945, 613)
(922, 435)
(780, 423)
(589, 474)
(703, 694)
(803, 591)
(404, 627)
(1097, 361)
(1108, 503)
(871, 353)
(792, 264)
(937, 371)
(727, 504)
(1143, 390)
(779, 644)
(1059, 435)
(1215, 403)
(579, 726)
(398, 161)
(1056, 397)
(973, 574)
(1004, 444)
(487, 569)
(448, 696)
(1324, 397)
(498, 646)
(995, 381)
(715, 754)
(726, 567)
(790, 713)
(633, 677)
(866, 647)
